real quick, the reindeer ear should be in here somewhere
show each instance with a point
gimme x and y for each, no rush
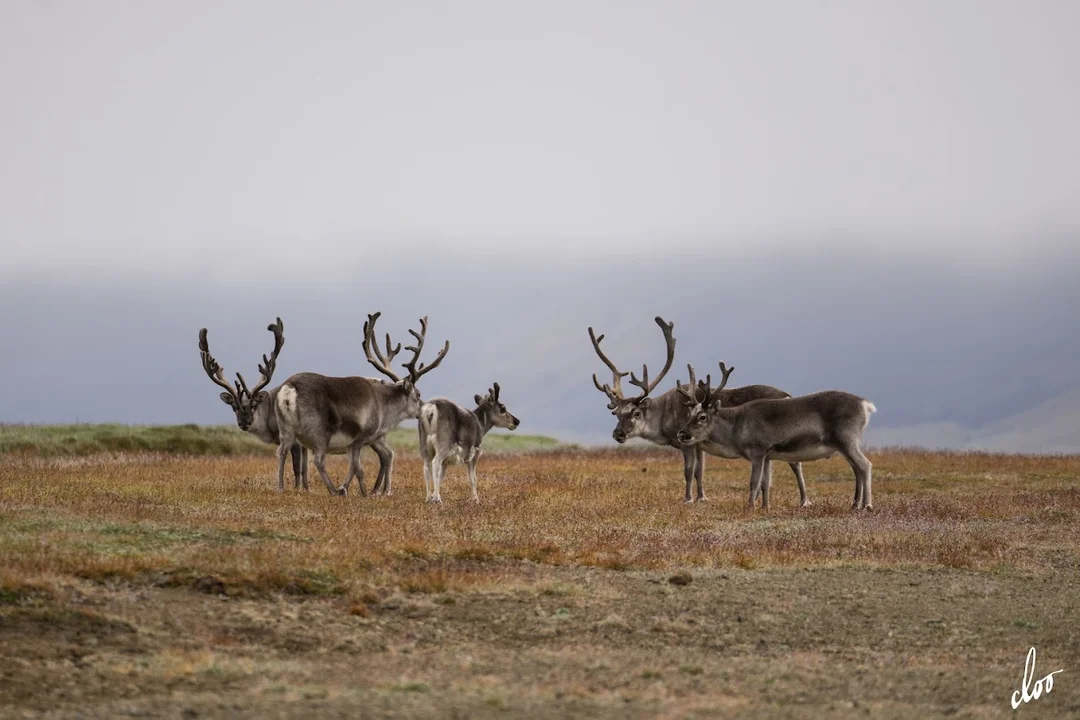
(228, 399)
(479, 400)
(644, 404)
(259, 397)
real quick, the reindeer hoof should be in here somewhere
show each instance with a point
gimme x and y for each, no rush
(703, 499)
(343, 491)
(806, 503)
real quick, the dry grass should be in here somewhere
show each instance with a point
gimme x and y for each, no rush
(128, 576)
(163, 519)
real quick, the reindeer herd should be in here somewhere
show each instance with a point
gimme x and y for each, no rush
(315, 414)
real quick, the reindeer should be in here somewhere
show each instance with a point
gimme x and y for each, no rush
(449, 434)
(255, 409)
(328, 413)
(659, 419)
(798, 429)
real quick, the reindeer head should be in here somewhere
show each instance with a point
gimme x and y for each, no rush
(496, 411)
(407, 385)
(702, 401)
(243, 401)
(632, 413)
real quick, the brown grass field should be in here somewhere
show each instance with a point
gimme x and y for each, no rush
(167, 586)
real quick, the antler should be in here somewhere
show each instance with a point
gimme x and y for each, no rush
(414, 372)
(269, 364)
(690, 390)
(606, 389)
(644, 383)
(494, 393)
(213, 370)
(709, 394)
(725, 371)
(378, 360)
(613, 391)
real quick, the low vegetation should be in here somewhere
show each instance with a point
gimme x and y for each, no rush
(82, 440)
(581, 585)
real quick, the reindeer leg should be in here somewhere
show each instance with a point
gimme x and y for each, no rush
(757, 465)
(766, 483)
(472, 473)
(357, 462)
(386, 464)
(283, 450)
(377, 487)
(356, 469)
(861, 467)
(304, 462)
(689, 455)
(796, 468)
(699, 471)
(296, 452)
(320, 464)
(427, 480)
(388, 481)
(860, 464)
(437, 471)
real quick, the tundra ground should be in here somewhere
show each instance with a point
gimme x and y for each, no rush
(174, 586)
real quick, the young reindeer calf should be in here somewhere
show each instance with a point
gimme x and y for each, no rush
(450, 433)
(798, 429)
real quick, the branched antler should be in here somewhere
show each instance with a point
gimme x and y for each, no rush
(613, 399)
(416, 373)
(382, 362)
(378, 360)
(269, 364)
(669, 341)
(213, 369)
(709, 396)
(614, 391)
(726, 372)
(690, 390)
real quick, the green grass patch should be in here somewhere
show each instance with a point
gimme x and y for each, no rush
(51, 441)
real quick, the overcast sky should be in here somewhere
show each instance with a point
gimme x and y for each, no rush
(192, 134)
(165, 166)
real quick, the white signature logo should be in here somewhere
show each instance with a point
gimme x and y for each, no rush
(1027, 691)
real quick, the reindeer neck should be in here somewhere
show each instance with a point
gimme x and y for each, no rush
(722, 422)
(663, 418)
(483, 416)
(394, 400)
(264, 421)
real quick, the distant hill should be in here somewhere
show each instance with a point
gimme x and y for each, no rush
(1050, 427)
(78, 440)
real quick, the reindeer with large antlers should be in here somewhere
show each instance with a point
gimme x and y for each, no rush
(255, 408)
(346, 413)
(660, 419)
(799, 429)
